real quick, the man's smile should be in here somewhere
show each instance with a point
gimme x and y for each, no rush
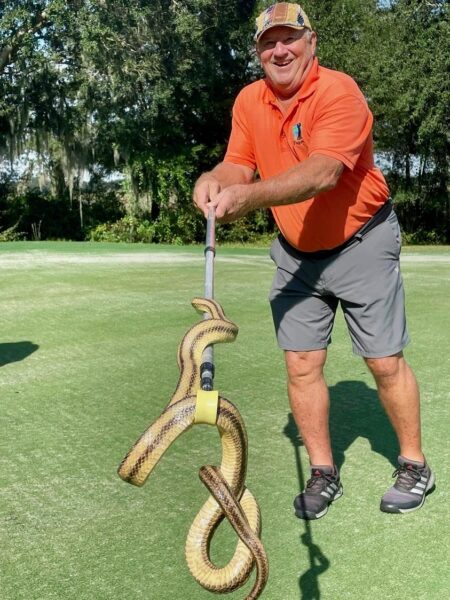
(285, 63)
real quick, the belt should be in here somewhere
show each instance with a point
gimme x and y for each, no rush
(379, 217)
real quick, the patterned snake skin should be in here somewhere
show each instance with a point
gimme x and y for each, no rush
(229, 496)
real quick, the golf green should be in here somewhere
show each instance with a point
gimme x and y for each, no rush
(88, 359)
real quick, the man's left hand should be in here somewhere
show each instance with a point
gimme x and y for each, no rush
(232, 203)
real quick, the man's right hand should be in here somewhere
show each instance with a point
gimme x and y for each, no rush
(206, 189)
(211, 184)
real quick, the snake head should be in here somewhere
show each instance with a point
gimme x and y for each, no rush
(209, 307)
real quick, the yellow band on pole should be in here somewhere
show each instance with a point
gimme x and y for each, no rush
(206, 407)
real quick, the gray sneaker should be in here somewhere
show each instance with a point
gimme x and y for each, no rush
(323, 487)
(408, 493)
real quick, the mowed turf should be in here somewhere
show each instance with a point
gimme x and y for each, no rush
(88, 344)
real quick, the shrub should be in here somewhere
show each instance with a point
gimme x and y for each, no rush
(127, 229)
(255, 227)
(183, 227)
(423, 238)
(12, 235)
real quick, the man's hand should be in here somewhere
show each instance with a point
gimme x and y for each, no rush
(205, 191)
(232, 203)
(224, 185)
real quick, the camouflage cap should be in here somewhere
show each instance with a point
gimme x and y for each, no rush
(282, 13)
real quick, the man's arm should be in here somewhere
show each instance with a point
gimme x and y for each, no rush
(224, 175)
(316, 174)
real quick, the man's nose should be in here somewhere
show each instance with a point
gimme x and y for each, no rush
(280, 49)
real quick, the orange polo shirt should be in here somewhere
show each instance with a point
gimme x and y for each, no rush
(330, 116)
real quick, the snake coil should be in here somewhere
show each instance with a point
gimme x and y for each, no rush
(229, 497)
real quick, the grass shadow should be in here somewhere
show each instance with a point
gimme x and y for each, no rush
(318, 562)
(355, 411)
(15, 351)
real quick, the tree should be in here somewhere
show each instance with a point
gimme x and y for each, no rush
(130, 85)
(409, 89)
(145, 87)
(39, 87)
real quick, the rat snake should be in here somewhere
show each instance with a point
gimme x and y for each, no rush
(229, 497)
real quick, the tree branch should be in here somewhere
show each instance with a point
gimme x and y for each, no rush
(8, 52)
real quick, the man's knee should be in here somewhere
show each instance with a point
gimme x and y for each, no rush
(305, 366)
(386, 368)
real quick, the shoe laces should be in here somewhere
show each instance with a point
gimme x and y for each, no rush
(318, 483)
(406, 477)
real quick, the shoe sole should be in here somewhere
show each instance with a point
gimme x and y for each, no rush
(396, 510)
(307, 516)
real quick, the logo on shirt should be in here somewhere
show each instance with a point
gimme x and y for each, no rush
(297, 133)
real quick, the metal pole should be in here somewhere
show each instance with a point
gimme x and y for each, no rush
(207, 368)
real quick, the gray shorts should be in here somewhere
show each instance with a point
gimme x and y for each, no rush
(364, 277)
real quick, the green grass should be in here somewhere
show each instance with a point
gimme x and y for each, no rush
(89, 334)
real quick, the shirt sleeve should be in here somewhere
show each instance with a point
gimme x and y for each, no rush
(240, 146)
(341, 129)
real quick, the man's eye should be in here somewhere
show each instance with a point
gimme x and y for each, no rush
(269, 44)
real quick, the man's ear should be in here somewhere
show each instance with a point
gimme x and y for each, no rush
(314, 41)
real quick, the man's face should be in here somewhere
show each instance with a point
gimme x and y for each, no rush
(285, 54)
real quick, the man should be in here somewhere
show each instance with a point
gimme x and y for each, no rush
(307, 131)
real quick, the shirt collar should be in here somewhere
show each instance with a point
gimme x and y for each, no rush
(306, 89)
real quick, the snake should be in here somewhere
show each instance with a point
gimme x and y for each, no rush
(229, 497)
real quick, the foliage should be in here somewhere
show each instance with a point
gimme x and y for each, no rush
(143, 89)
(11, 234)
(409, 87)
(38, 214)
(421, 219)
(423, 238)
(127, 229)
(174, 227)
(251, 228)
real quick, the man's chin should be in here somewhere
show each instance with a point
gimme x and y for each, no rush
(284, 89)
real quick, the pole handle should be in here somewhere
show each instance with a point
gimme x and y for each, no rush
(210, 252)
(207, 367)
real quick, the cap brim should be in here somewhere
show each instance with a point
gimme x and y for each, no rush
(297, 27)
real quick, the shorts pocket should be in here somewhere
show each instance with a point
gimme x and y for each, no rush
(274, 250)
(394, 226)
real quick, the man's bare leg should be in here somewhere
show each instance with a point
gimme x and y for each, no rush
(399, 395)
(309, 400)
